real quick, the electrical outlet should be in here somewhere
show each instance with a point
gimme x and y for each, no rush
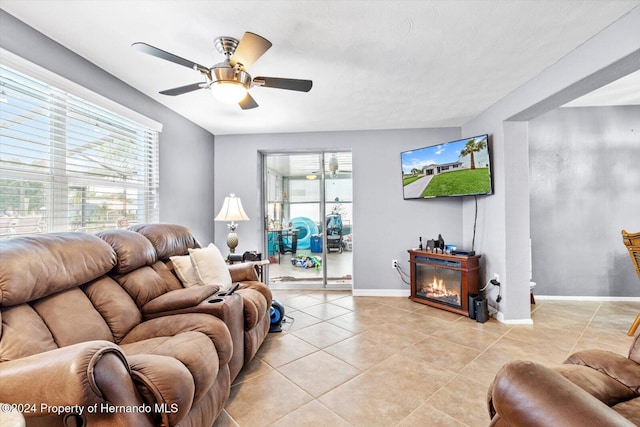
(394, 263)
(496, 276)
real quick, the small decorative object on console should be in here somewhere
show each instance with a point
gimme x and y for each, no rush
(252, 256)
(232, 258)
(435, 245)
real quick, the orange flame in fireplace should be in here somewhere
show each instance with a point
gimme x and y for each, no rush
(437, 289)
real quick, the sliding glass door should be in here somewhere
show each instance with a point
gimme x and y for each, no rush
(308, 221)
(338, 213)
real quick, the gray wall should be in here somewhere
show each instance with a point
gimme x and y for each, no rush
(186, 150)
(609, 55)
(584, 189)
(384, 225)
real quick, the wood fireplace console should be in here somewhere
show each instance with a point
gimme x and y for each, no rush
(444, 281)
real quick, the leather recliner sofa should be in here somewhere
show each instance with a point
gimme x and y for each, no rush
(75, 349)
(170, 240)
(591, 388)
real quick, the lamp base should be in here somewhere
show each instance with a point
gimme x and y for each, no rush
(232, 242)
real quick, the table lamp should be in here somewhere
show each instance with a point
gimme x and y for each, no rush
(232, 211)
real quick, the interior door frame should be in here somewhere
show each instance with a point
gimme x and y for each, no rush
(263, 154)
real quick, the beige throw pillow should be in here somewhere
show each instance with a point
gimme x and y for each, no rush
(211, 267)
(185, 270)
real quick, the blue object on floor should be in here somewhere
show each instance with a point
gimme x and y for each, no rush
(277, 316)
(307, 261)
(316, 244)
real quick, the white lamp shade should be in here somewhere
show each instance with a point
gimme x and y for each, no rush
(232, 210)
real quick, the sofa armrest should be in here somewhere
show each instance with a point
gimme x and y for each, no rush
(227, 308)
(77, 376)
(179, 299)
(606, 389)
(528, 394)
(243, 272)
(172, 325)
(613, 365)
(64, 376)
(164, 381)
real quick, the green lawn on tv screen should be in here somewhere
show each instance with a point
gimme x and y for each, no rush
(409, 179)
(468, 181)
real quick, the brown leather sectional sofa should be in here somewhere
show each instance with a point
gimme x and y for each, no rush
(591, 388)
(98, 330)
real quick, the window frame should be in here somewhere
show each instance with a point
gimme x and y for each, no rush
(60, 181)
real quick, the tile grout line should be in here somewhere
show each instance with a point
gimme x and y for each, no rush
(595, 313)
(456, 376)
(399, 308)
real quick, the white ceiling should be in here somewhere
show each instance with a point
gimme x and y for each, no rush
(374, 64)
(624, 91)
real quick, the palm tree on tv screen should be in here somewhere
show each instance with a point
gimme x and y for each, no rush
(471, 147)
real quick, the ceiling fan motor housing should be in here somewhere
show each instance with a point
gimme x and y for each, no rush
(226, 45)
(224, 72)
(230, 75)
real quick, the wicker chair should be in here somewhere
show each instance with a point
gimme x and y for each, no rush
(632, 242)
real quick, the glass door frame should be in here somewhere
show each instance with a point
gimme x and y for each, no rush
(264, 190)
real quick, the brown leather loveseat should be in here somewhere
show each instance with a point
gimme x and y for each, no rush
(591, 388)
(75, 349)
(248, 330)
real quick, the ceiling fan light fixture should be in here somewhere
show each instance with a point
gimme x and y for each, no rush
(229, 85)
(228, 92)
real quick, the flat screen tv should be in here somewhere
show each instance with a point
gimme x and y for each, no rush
(455, 168)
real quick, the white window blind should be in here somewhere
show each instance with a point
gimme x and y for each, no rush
(67, 164)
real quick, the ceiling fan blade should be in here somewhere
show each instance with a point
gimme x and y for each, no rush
(248, 103)
(250, 48)
(159, 53)
(289, 84)
(183, 89)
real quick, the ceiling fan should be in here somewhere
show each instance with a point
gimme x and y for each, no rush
(334, 169)
(229, 80)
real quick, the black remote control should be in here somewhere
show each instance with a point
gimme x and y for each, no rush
(232, 290)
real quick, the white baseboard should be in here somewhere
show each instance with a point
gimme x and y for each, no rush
(584, 298)
(381, 293)
(500, 318)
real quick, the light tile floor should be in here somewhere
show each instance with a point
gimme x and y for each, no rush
(373, 361)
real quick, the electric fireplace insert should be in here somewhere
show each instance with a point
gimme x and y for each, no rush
(444, 281)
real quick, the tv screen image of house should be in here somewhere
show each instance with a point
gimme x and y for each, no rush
(455, 168)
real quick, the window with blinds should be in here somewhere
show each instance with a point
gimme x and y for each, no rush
(67, 164)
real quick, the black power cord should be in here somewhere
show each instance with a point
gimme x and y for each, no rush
(475, 221)
(402, 274)
(494, 282)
